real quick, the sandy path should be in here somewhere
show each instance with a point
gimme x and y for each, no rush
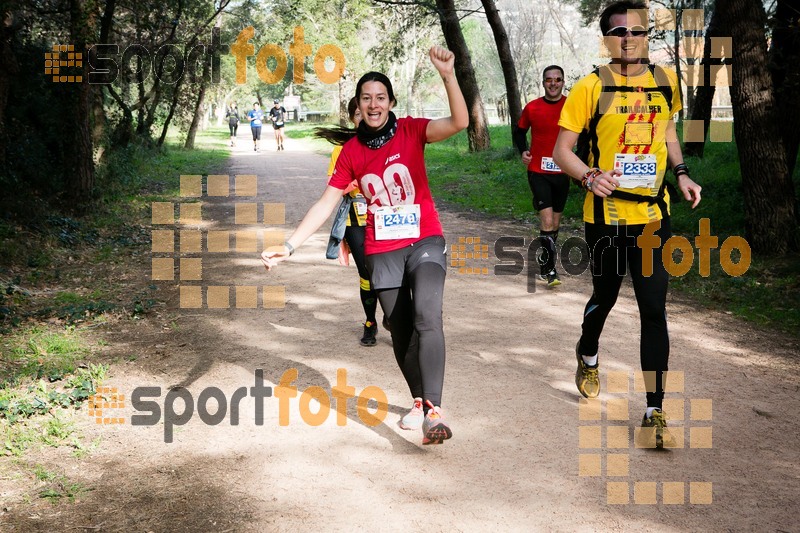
(513, 463)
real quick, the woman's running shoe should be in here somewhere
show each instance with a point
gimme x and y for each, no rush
(413, 418)
(434, 429)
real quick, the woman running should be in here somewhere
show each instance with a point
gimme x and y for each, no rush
(405, 247)
(233, 122)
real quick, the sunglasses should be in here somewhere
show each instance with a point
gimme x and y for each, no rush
(551, 80)
(622, 31)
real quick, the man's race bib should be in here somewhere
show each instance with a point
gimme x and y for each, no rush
(397, 222)
(549, 165)
(638, 170)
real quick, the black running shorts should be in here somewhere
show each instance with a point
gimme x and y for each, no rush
(388, 270)
(549, 190)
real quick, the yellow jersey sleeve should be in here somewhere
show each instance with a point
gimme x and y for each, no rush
(334, 156)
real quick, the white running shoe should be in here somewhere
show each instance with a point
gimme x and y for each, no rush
(413, 419)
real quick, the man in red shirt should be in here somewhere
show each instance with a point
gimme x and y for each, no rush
(548, 184)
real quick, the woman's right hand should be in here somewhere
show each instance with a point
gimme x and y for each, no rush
(273, 255)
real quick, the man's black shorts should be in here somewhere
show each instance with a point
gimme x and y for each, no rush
(549, 190)
(256, 132)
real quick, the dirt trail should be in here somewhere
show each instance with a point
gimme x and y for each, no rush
(513, 463)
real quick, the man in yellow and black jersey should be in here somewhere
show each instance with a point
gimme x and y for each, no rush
(622, 113)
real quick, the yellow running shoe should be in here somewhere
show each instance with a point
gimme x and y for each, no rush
(586, 377)
(654, 432)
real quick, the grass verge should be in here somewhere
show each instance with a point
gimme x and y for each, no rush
(63, 274)
(45, 247)
(304, 131)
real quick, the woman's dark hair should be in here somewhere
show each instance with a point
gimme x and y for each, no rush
(621, 8)
(352, 105)
(376, 76)
(338, 135)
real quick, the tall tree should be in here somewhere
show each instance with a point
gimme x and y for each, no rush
(769, 200)
(80, 164)
(785, 67)
(199, 108)
(506, 59)
(8, 69)
(477, 131)
(704, 93)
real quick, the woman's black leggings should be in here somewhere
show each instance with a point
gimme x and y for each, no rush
(415, 313)
(612, 251)
(355, 235)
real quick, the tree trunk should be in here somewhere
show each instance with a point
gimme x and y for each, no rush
(344, 117)
(477, 131)
(704, 94)
(677, 44)
(8, 70)
(80, 161)
(172, 107)
(99, 133)
(124, 130)
(785, 67)
(769, 203)
(98, 122)
(198, 109)
(506, 60)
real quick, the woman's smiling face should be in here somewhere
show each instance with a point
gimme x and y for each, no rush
(374, 104)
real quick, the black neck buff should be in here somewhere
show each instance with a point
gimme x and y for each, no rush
(376, 139)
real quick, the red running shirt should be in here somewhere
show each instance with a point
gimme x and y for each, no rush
(541, 116)
(394, 174)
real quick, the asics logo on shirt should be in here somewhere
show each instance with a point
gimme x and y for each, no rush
(391, 158)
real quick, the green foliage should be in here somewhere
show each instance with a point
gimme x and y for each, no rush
(39, 353)
(39, 383)
(41, 380)
(56, 485)
(306, 133)
(34, 138)
(40, 373)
